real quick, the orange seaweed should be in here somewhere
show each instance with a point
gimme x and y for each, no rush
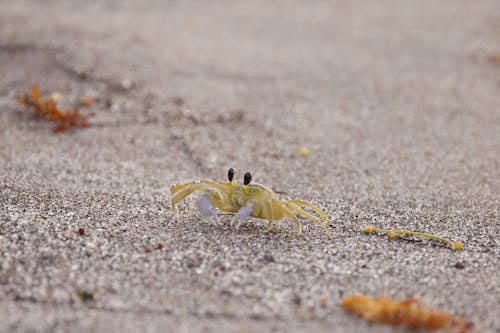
(409, 312)
(46, 108)
(87, 101)
(494, 59)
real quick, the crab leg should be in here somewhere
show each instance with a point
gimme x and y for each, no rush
(180, 191)
(180, 187)
(296, 209)
(288, 213)
(268, 211)
(207, 208)
(241, 216)
(301, 203)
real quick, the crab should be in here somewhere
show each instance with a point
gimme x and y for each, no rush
(245, 200)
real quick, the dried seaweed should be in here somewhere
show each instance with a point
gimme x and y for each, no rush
(303, 151)
(47, 108)
(410, 312)
(393, 233)
(494, 59)
(85, 295)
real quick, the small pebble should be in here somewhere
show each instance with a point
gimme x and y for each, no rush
(126, 84)
(268, 257)
(323, 302)
(303, 151)
(178, 101)
(47, 254)
(56, 96)
(193, 262)
(81, 231)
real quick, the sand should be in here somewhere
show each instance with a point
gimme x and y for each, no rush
(397, 103)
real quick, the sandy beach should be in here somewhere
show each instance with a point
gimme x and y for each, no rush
(396, 102)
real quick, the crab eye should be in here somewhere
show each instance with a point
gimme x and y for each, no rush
(247, 178)
(230, 174)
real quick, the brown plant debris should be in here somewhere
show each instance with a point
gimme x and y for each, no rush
(85, 295)
(46, 108)
(409, 312)
(494, 59)
(393, 233)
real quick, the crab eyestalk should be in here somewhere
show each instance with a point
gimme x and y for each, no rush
(393, 233)
(247, 178)
(230, 174)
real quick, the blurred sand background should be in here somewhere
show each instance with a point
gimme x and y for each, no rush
(398, 103)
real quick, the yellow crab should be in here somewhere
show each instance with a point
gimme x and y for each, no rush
(245, 200)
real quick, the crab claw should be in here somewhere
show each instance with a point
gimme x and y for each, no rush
(207, 208)
(241, 216)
